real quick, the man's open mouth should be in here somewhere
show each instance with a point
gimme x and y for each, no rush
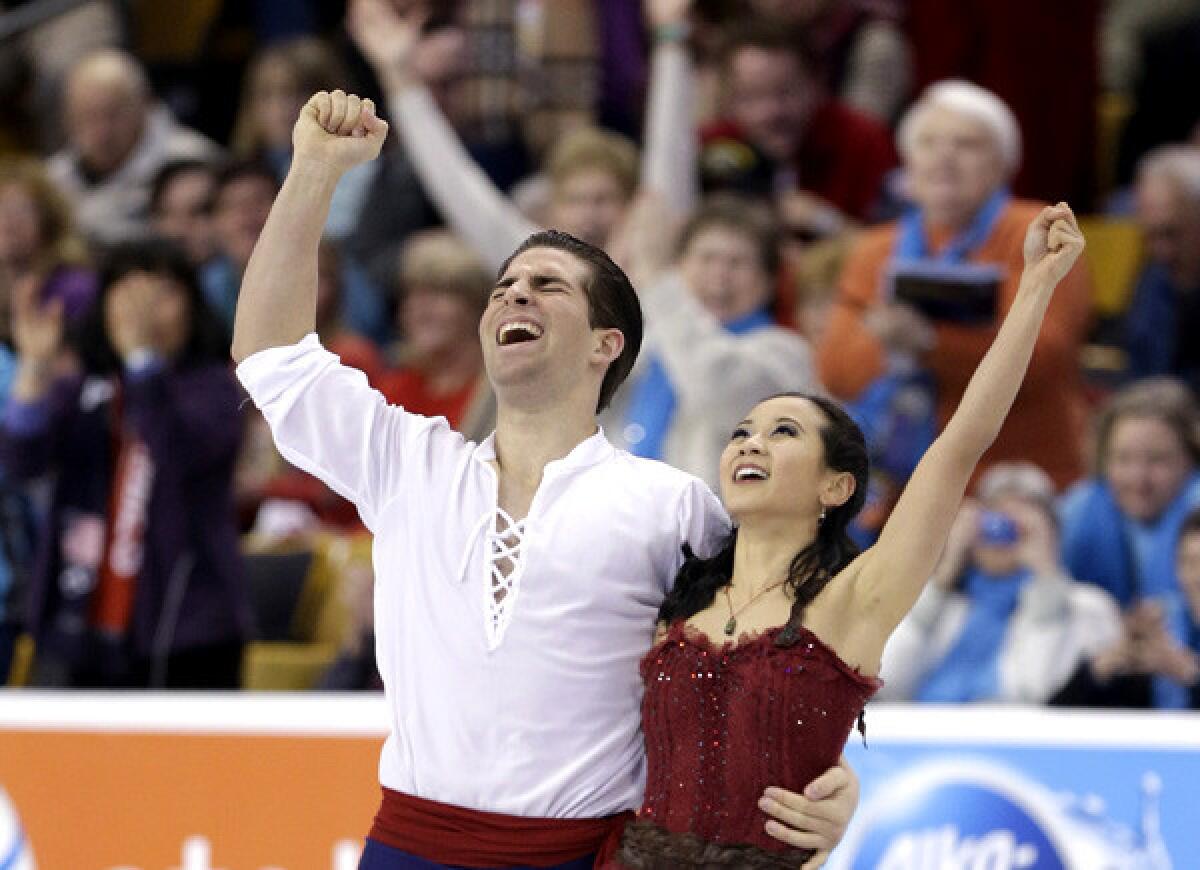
(517, 332)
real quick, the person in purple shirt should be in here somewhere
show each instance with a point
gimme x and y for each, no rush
(137, 580)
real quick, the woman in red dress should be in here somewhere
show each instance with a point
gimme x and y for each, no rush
(768, 651)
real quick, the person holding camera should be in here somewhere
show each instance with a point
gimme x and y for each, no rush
(935, 284)
(1000, 620)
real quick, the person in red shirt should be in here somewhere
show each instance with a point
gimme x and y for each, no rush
(444, 289)
(775, 105)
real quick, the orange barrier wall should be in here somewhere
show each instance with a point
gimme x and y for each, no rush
(102, 799)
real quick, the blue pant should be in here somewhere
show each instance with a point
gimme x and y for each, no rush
(377, 856)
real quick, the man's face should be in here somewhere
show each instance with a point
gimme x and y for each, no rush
(1170, 227)
(184, 214)
(536, 333)
(242, 207)
(792, 11)
(103, 122)
(953, 166)
(770, 98)
(588, 203)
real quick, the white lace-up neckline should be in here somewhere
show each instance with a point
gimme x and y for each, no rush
(505, 565)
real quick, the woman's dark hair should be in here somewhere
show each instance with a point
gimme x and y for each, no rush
(166, 176)
(612, 301)
(812, 568)
(207, 340)
(241, 169)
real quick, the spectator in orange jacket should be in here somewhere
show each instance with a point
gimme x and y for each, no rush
(960, 146)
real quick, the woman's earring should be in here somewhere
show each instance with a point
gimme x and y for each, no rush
(821, 518)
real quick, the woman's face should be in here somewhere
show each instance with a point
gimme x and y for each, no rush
(953, 166)
(1146, 465)
(277, 101)
(158, 299)
(435, 322)
(20, 225)
(588, 204)
(774, 463)
(723, 269)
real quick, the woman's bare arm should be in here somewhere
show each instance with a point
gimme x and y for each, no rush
(890, 576)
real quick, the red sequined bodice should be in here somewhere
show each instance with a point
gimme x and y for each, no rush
(723, 722)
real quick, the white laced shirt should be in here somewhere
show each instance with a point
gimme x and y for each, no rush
(509, 650)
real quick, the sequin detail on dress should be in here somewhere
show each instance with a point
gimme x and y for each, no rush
(723, 722)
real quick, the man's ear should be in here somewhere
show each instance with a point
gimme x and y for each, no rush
(608, 345)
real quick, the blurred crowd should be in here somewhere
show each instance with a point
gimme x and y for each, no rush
(818, 195)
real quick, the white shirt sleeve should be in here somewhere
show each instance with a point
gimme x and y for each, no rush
(326, 420)
(703, 523)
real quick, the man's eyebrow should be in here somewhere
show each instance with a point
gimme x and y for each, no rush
(789, 420)
(542, 278)
(538, 279)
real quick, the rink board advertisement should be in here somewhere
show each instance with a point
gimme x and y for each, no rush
(238, 782)
(1046, 791)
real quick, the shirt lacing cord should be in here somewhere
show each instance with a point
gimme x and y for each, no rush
(505, 565)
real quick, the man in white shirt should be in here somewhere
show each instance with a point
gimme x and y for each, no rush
(518, 580)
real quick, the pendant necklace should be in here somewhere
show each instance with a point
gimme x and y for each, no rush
(731, 625)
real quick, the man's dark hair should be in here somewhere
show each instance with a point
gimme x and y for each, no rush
(207, 340)
(612, 301)
(251, 167)
(171, 171)
(766, 35)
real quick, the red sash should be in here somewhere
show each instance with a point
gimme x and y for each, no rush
(472, 838)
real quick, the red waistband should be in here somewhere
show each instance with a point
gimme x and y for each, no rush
(472, 838)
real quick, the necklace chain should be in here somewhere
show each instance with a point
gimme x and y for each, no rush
(731, 625)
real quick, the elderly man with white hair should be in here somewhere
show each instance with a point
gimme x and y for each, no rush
(1164, 317)
(933, 286)
(118, 137)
